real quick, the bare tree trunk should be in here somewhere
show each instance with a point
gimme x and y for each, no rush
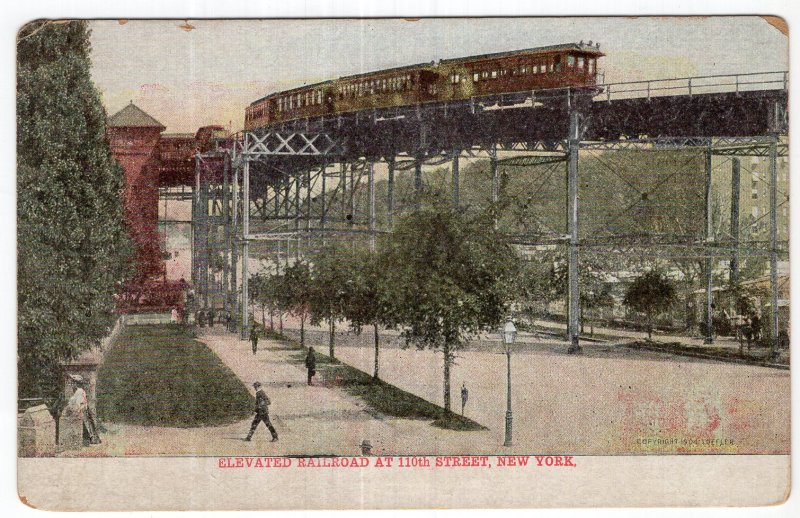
(263, 315)
(280, 320)
(447, 361)
(272, 319)
(377, 348)
(332, 340)
(303, 330)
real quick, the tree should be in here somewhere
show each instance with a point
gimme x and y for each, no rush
(259, 291)
(73, 253)
(296, 293)
(275, 294)
(594, 299)
(366, 304)
(595, 292)
(447, 277)
(534, 287)
(651, 293)
(328, 290)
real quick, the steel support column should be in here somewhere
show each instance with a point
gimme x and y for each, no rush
(371, 183)
(736, 191)
(323, 209)
(234, 234)
(572, 229)
(352, 196)
(297, 217)
(456, 179)
(417, 183)
(495, 179)
(390, 193)
(308, 209)
(709, 263)
(195, 277)
(226, 231)
(773, 247)
(203, 243)
(245, 250)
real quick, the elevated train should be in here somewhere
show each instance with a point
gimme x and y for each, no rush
(555, 66)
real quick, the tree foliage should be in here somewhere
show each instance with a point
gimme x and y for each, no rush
(366, 297)
(448, 277)
(73, 250)
(296, 293)
(329, 291)
(651, 293)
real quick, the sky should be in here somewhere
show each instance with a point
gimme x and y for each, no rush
(192, 73)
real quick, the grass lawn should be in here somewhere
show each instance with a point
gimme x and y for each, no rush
(158, 375)
(754, 355)
(382, 396)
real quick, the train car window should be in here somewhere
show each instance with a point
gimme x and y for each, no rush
(592, 64)
(494, 74)
(581, 62)
(570, 60)
(319, 96)
(557, 63)
(476, 77)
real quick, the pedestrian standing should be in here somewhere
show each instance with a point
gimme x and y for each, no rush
(262, 413)
(311, 364)
(254, 338)
(464, 396)
(211, 317)
(79, 405)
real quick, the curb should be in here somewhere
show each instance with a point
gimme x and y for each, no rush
(689, 354)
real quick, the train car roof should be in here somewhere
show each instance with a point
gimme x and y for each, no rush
(388, 70)
(293, 90)
(549, 48)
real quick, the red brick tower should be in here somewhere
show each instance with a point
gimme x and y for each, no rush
(134, 136)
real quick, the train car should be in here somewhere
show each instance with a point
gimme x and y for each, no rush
(393, 87)
(306, 101)
(541, 68)
(556, 66)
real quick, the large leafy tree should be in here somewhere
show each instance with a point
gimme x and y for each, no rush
(72, 246)
(366, 298)
(296, 294)
(259, 291)
(652, 293)
(328, 292)
(447, 277)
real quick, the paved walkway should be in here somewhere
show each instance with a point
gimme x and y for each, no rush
(310, 420)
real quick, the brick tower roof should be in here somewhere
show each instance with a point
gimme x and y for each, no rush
(133, 116)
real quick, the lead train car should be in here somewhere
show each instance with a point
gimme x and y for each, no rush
(556, 66)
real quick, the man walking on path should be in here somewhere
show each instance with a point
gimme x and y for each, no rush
(464, 396)
(254, 338)
(262, 413)
(311, 364)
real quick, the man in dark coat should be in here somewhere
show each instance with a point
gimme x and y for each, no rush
(311, 364)
(254, 338)
(262, 413)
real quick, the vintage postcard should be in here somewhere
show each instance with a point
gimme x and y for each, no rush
(403, 263)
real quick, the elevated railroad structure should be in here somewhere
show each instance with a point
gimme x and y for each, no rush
(299, 178)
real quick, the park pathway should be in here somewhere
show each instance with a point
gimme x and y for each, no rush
(310, 420)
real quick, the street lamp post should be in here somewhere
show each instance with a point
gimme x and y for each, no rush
(509, 335)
